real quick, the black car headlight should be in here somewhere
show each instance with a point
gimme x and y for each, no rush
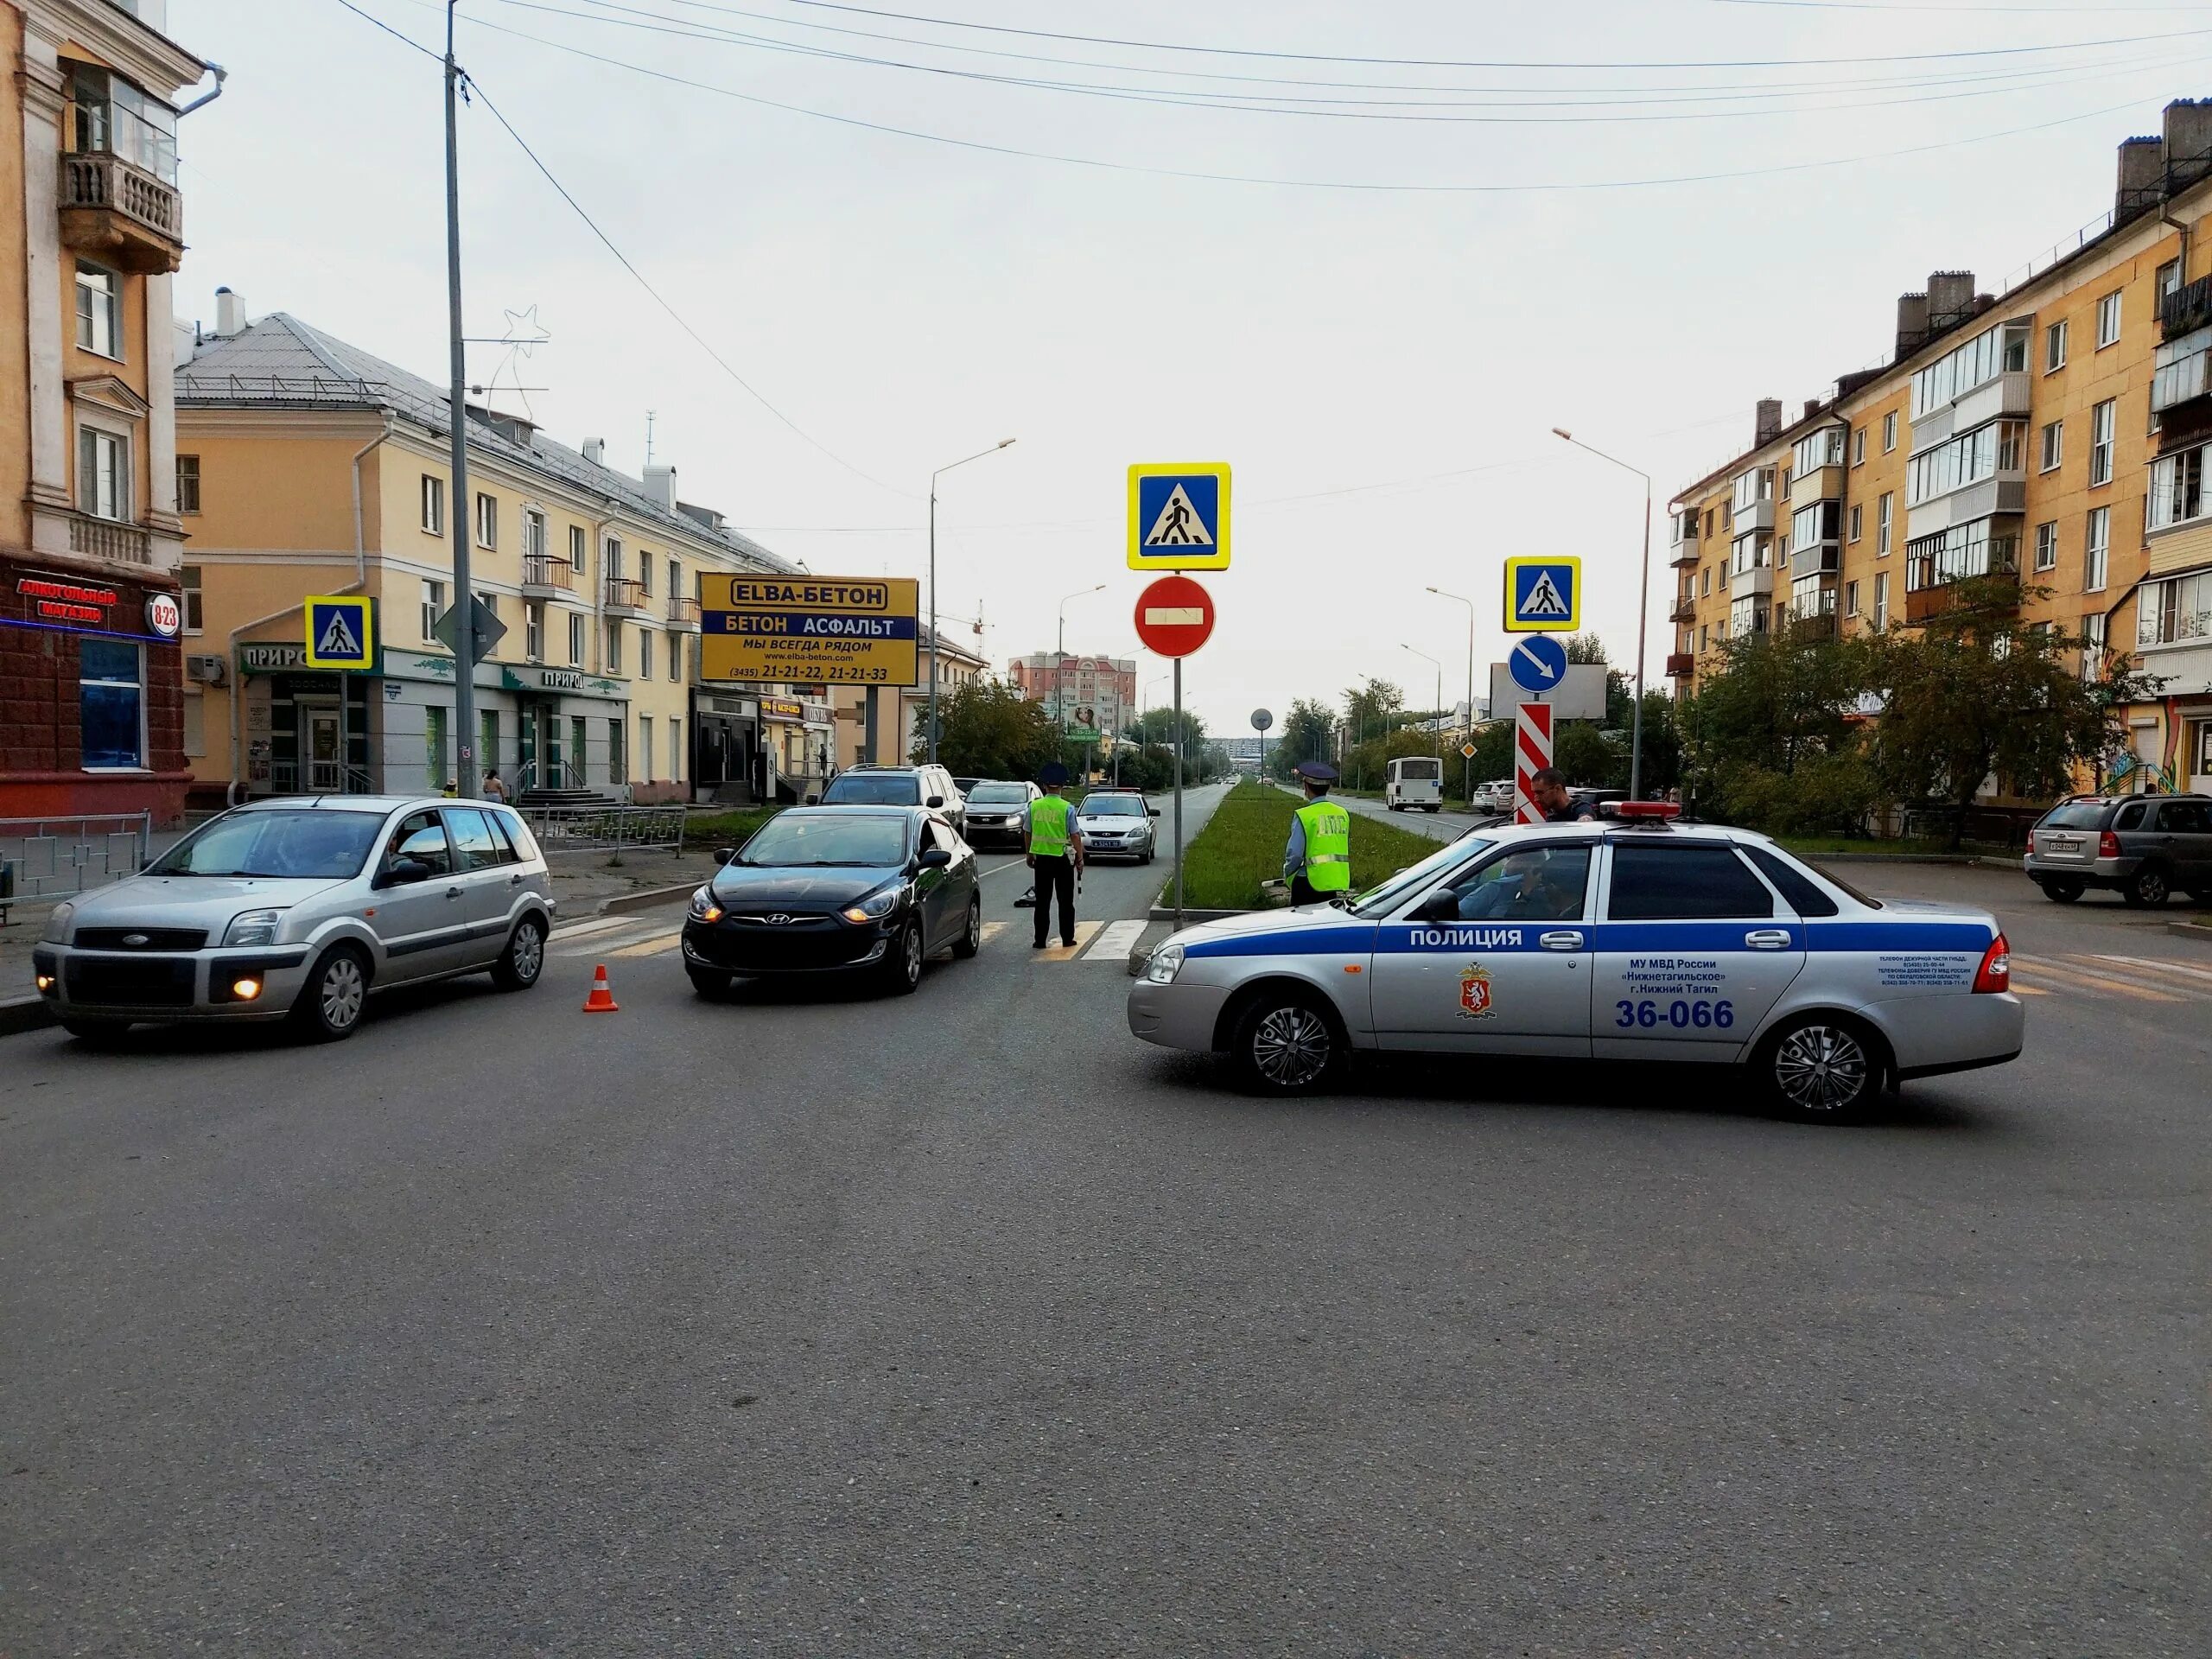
(874, 907)
(703, 907)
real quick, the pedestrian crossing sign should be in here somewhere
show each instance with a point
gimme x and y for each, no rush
(1542, 594)
(340, 632)
(1178, 516)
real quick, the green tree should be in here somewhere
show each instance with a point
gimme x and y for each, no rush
(1778, 703)
(992, 731)
(1978, 693)
(1308, 733)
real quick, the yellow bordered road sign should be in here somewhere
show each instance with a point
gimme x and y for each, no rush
(1178, 516)
(341, 631)
(1543, 594)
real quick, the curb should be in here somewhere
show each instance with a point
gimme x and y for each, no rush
(22, 1014)
(648, 899)
(2191, 930)
(1908, 858)
(1191, 915)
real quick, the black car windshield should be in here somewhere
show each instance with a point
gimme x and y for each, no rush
(1111, 806)
(304, 845)
(1415, 878)
(873, 789)
(989, 792)
(801, 840)
(2075, 814)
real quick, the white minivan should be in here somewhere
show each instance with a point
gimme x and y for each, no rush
(1415, 781)
(1495, 797)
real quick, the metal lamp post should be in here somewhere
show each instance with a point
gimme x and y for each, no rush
(1467, 766)
(1438, 729)
(1642, 610)
(934, 476)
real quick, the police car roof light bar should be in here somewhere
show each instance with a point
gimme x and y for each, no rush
(1658, 811)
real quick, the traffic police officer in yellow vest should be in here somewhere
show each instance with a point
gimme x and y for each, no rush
(1055, 854)
(1317, 861)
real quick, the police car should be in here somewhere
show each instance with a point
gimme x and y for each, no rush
(1631, 938)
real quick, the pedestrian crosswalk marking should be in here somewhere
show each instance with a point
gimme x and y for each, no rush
(1114, 940)
(992, 930)
(1085, 932)
(2204, 974)
(652, 947)
(2141, 979)
(1179, 523)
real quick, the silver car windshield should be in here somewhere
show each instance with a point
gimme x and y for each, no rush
(1415, 878)
(990, 794)
(308, 845)
(1111, 806)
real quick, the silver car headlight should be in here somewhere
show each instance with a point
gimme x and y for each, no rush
(57, 924)
(1165, 964)
(254, 927)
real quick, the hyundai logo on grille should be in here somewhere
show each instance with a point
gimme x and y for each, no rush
(779, 920)
(136, 939)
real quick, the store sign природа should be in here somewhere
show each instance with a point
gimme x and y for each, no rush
(54, 600)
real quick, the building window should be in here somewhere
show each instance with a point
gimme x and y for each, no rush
(646, 745)
(576, 638)
(115, 117)
(2168, 280)
(2093, 645)
(1851, 599)
(579, 552)
(533, 633)
(2101, 430)
(488, 521)
(611, 553)
(1857, 519)
(674, 656)
(100, 311)
(489, 601)
(189, 596)
(2054, 347)
(1884, 511)
(111, 705)
(1708, 523)
(187, 483)
(1704, 636)
(2054, 445)
(2047, 546)
(533, 534)
(433, 607)
(1968, 459)
(1704, 580)
(2109, 320)
(434, 506)
(1973, 548)
(675, 580)
(102, 474)
(1981, 359)
(2175, 610)
(1859, 446)
(2097, 548)
(645, 653)
(1882, 599)
(1889, 431)
(2177, 489)
(614, 647)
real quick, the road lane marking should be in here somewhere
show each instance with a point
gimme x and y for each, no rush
(2154, 965)
(1085, 932)
(653, 947)
(992, 930)
(2072, 978)
(1116, 940)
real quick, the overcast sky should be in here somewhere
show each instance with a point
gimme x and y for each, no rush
(1381, 366)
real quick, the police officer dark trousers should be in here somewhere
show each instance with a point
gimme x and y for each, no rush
(1053, 854)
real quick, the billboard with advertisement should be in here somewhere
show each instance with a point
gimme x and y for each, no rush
(810, 630)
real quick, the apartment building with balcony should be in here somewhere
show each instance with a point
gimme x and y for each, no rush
(90, 230)
(2056, 434)
(316, 467)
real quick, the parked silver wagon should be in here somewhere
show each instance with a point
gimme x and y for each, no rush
(301, 908)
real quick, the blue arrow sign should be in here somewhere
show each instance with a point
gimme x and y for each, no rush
(1538, 664)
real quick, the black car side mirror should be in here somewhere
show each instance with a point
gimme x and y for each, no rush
(723, 854)
(406, 871)
(814, 800)
(934, 858)
(1154, 810)
(1442, 905)
(934, 800)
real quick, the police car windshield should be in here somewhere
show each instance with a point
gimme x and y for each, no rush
(796, 841)
(1418, 877)
(1111, 806)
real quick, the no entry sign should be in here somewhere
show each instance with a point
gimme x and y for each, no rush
(1174, 616)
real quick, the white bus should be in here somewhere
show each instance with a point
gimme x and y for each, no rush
(1416, 781)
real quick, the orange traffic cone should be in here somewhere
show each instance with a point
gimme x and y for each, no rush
(601, 1000)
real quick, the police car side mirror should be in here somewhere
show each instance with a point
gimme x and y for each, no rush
(1442, 905)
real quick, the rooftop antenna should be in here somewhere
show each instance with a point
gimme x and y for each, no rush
(649, 437)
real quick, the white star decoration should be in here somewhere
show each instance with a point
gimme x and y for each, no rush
(525, 332)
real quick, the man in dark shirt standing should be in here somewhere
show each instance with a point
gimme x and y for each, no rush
(1548, 788)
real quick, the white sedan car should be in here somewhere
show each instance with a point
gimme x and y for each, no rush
(1632, 938)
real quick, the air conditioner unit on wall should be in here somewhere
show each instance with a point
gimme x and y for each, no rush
(208, 670)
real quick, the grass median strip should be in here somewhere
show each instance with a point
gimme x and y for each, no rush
(1241, 846)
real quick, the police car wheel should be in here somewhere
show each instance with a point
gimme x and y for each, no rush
(1822, 1068)
(1285, 1044)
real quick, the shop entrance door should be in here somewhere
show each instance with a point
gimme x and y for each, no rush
(326, 767)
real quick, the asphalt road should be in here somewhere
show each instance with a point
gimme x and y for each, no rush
(962, 1323)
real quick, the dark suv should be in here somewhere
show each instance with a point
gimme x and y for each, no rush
(2146, 847)
(919, 785)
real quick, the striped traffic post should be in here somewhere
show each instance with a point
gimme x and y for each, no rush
(1532, 751)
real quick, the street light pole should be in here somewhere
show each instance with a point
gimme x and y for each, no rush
(1642, 610)
(464, 597)
(1467, 767)
(934, 476)
(1437, 729)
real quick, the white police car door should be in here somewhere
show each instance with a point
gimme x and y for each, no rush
(1694, 950)
(1507, 972)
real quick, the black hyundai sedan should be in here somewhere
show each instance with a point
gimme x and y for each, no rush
(834, 890)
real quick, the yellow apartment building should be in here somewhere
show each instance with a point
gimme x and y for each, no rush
(318, 468)
(2056, 432)
(90, 230)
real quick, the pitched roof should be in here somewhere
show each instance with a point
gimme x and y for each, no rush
(281, 362)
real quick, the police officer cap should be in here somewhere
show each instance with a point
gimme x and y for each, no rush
(1053, 774)
(1317, 771)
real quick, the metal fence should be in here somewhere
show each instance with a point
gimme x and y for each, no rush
(52, 858)
(602, 829)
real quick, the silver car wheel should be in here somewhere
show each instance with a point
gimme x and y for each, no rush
(341, 993)
(1821, 1068)
(528, 954)
(913, 959)
(1290, 1046)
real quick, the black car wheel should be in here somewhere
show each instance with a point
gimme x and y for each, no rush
(2149, 887)
(902, 963)
(971, 931)
(1821, 1068)
(1286, 1043)
(97, 1033)
(712, 986)
(336, 994)
(2061, 889)
(523, 959)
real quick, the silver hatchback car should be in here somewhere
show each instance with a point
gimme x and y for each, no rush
(300, 909)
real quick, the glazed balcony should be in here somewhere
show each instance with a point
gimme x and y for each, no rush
(120, 214)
